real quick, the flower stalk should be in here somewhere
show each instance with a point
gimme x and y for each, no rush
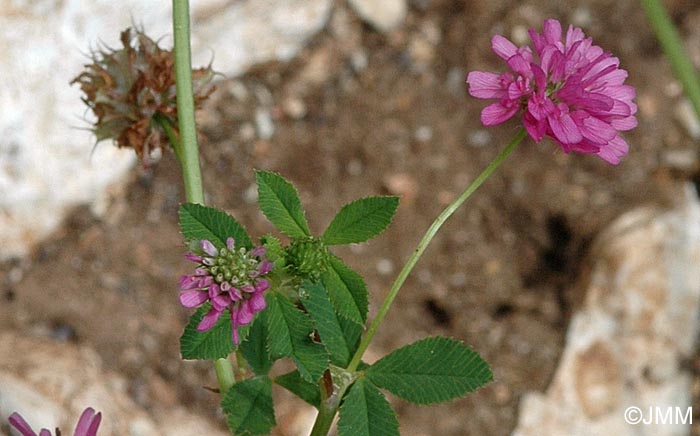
(329, 406)
(423, 244)
(673, 47)
(188, 153)
(189, 156)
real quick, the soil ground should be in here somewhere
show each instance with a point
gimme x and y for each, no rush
(363, 113)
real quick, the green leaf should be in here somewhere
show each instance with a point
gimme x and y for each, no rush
(215, 343)
(200, 222)
(431, 370)
(361, 220)
(347, 290)
(365, 412)
(352, 333)
(248, 406)
(279, 201)
(254, 348)
(327, 323)
(309, 392)
(290, 333)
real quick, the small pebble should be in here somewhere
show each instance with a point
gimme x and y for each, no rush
(385, 267)
(355, 167)
(247, 132)
(402, 184)
(424, 134)
(359, 60)
(294, 108)
(250, 195)
(480, 138)
(688, 118)
(264, 124)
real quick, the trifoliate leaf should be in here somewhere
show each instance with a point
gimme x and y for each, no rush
(327, 323)
(309, 392)
(279, 201)
(290, 334)
(248, 407)
(254, 348)
(366, 412)
(431, 370)
(361, 220)
(215, 343)
(347, 290)
(200, 222)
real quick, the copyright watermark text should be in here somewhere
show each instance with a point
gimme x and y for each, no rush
(672, 415)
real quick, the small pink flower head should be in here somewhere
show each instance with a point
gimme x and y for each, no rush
(568, 89)
(228, 278)
(88, 424)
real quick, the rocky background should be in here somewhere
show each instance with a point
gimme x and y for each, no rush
(577, 281)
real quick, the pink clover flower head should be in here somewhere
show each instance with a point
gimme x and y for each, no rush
(88, 424)
(229, 278)
(567, 89)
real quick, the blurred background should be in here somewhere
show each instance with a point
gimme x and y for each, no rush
(577, 281)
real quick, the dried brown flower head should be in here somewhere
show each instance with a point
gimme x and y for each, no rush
(133, 88)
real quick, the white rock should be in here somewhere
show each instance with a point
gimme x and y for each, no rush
(50, 384)
(638, 324)
(384, 15)
(46, 164)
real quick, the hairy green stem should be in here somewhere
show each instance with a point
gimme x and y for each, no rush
(423, 244)
(189, 158)
(186, 148)
(672, 45)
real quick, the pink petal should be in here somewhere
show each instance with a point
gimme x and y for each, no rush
(234, 325)
(230, 243)
(245, 315)
(214, 290)
(496, 113)
(573, 34)
(265, 267)
(248, 289)
(193, 257)
(536, 129)
(552, 31)
(614, 150)
(624, 124)
(597, 131)
(520, 65)
(262, 285)
(221, 302)
(208, 247)
(257, 302)
(92, 430)
(503, 47)
(44, 432)
(209, 320)
(193, 298)
(88, 423)
(189, 282)
(258, 251)
(235, 294)
(485, 85)
(564, 129)
(20, 424)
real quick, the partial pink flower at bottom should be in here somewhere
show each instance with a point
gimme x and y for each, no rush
(88, 424)
(569, 90)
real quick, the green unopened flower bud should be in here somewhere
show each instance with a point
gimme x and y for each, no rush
(307, 257)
